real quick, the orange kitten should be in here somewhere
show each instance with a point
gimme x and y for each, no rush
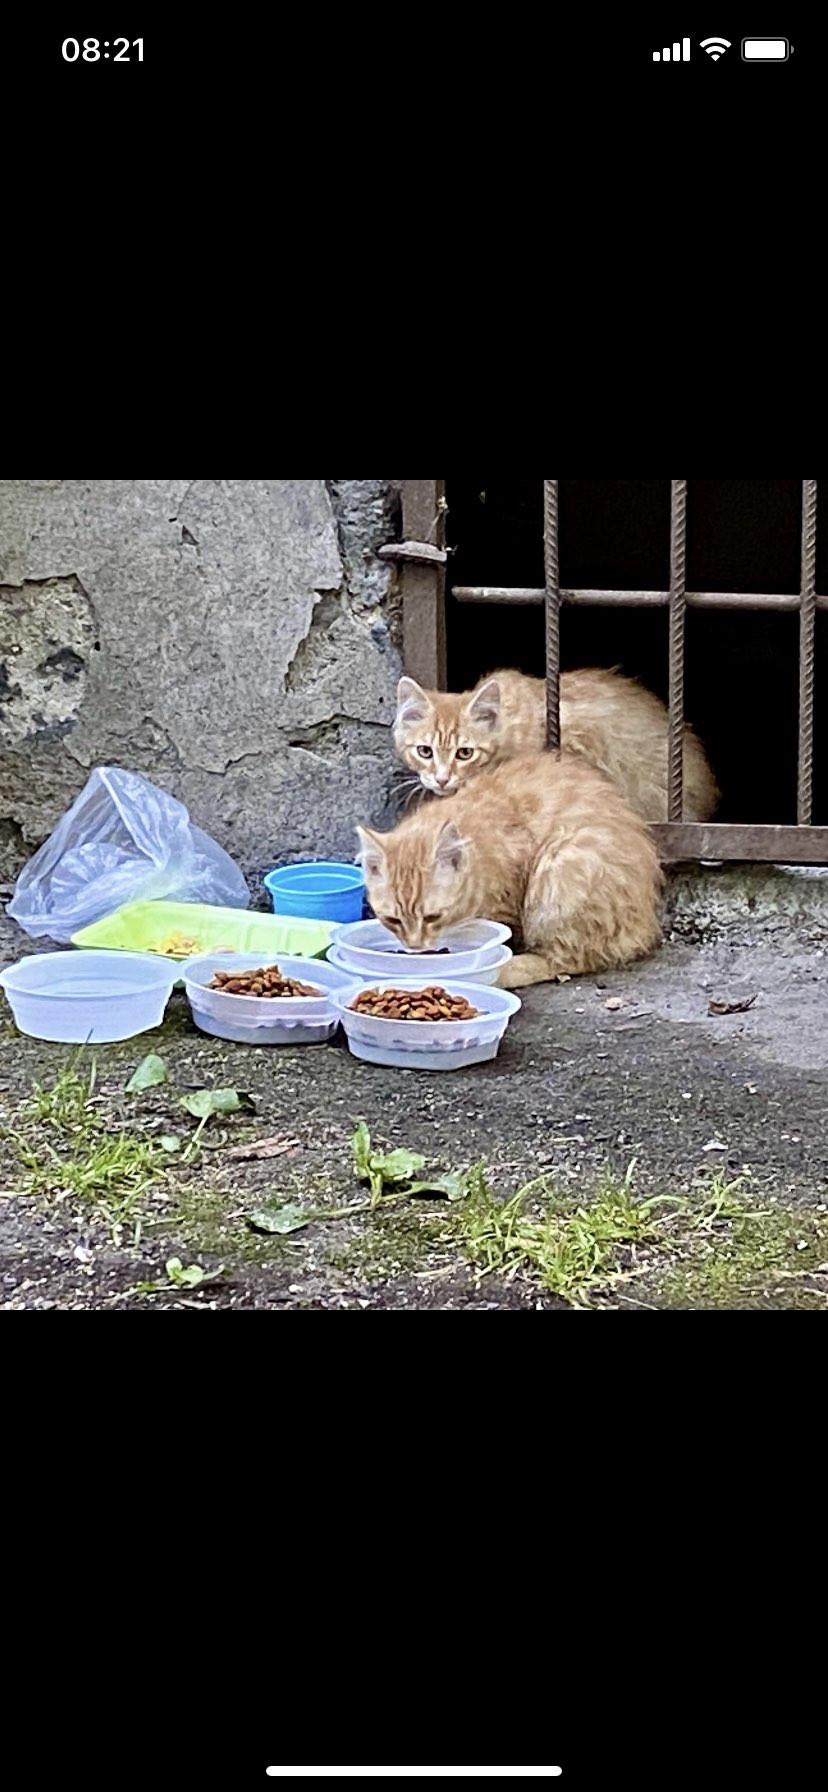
(541, 842)
(607, 720)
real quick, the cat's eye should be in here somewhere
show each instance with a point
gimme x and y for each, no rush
(425, 752)
(464, 753)
(429, 918)
(390, 921)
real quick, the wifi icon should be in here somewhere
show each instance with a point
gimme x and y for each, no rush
(715, 46)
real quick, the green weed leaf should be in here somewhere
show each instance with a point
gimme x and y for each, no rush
(150, 1071)
(201, 1103)
(190, 1275)
(286, 1218)
(361, 1148)
(454, 1185)
(397, 1166)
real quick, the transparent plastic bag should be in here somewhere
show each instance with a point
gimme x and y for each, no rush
(123, 840)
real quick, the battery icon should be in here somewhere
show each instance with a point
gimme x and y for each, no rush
(765, 49)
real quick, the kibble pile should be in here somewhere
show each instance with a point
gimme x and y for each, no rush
(432, 1003)
(268, 982)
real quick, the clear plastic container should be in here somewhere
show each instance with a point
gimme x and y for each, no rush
(91, 997)
(372, 950)
(492, 959)
(424, 1045)
(264, 1020)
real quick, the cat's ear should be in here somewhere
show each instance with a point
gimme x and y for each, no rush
(484, 707)
(413, 702)
(371, 852)
(448, 852)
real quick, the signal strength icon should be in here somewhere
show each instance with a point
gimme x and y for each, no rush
(715, 47)
(681, 52)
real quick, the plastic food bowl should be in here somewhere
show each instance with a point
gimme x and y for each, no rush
(88, 997)
(144, 926)
(492, 959)
(264, 1020)
(419, 1044)
(323, 890)
(371, 949)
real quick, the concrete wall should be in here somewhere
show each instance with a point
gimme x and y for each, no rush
(234, 640)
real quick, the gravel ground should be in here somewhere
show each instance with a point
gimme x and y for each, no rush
(592, 1074)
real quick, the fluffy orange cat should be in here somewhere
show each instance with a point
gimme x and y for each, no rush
(543, 843)
(607, 720)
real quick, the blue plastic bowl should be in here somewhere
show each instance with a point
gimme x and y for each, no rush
(321, 891)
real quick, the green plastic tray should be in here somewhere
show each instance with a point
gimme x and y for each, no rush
(144, 926)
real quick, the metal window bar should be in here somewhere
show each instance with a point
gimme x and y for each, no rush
(807, 620)
(679, 840)
(675, 745)
(553, 612)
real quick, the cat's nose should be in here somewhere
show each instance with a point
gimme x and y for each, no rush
(442, 778)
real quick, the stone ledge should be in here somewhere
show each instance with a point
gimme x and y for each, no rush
(738, 902)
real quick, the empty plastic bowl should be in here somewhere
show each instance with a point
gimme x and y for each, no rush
(422, 1044)
(264, 1020)
(91, 997)
(321, 891)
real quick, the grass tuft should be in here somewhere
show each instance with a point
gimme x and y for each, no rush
(67, 1152)
(577, 1250)
(571, 1249)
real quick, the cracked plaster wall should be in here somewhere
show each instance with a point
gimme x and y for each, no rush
(234, 640)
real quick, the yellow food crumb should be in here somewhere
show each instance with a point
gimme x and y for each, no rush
(177, 944)
(180, 945)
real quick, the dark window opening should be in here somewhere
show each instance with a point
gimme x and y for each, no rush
(742, 667)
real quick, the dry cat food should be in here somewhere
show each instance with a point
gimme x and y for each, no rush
(269, 982)
(432, 1003)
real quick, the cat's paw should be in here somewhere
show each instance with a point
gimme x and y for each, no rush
(522, 970)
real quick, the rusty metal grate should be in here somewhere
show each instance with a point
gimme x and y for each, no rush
(679, 839)
(423, 592)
